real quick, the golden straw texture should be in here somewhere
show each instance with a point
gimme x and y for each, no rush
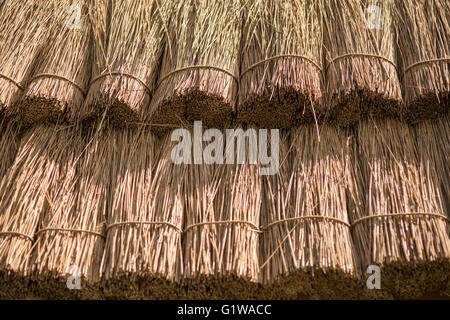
(128, 45)
(28, 190)
(403, 227)
(281, 68)
(24, 32)
(423, 29)
(198, 77)
(360, 60)
(305, 220)
(9, 144)
(143, 246)
(62, 70)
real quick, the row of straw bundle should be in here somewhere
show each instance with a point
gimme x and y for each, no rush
(198, 78)
(220, 244)
(61, 71)
(281, 71)
(27, 191)
(307, 248)
(360, 60)
(398, 220)
(128, 42)
(24, 30)
(143, 245)
(423, 29)
(70, 239)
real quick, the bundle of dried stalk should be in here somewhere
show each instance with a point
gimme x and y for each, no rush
(433, 141)
(62, 70)
(198, 79)
(307, 249)
(423, 28)
(143, 245)
(281, 72)
(70, 238)
(360, 60)
(220, 244)
(399, 224)
(24, 31)
(27, 191)
(126, 60)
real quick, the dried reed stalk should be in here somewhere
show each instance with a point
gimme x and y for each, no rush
(70, 236)
(281, 72)
(26, 192)
(423, 29)
(143, 246)
(307, 248)
(126, 60)
(360, 60)
(9, 144)
(61, 72)
(413, 249)
(198, 77)
(24, 31)
(220, 244)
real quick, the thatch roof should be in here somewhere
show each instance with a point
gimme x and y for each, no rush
(91, 89)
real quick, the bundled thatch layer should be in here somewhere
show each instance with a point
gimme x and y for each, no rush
(281, 71)
(220, 243)
(127, 50)
(27, 191)
(198, 77)
(360, 57)
(62, 69)
(399, 223)
(24, 30)
(423, 29)
(143, 245)
(307, 247)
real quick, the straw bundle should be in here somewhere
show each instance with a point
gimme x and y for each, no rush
(360, 57)
(198, 77)
(424, 31)
(62, 70)
(24, 31)
(220, 244)
(26, 192)
(126, 60)
(70, 237)
(143, 245)
(281, 72)
(400, 226)
(307, 246)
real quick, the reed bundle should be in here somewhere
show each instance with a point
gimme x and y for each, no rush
(424, 31)
(307, 249)
(281, 72)
(143, 245)
(221, 239)
(70, 236)
(360, 58)
(62, 70)
(24, 30)
(400, 225)
(27, 191)
(127, 50)
(198, 79)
